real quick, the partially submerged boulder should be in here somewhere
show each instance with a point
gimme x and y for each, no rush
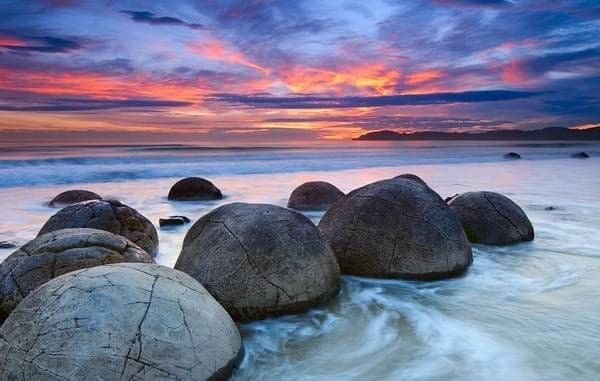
(580, 155)
(396, 228)
(73, 196)
(314, 195)
(173, 221)
(109, 215)
(57, 253)
(119, 322)
(194, 189)
(260, 260)
(512, 156)
(491, 218)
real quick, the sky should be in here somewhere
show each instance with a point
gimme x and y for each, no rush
(260, 71)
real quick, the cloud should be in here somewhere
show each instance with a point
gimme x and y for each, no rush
(44, 44)
(150, 18)
(82, 104)
(316, 102)
(475, 3)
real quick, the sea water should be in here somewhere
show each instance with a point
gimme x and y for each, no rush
(529, 311)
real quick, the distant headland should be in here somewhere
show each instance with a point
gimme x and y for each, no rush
(550, 133)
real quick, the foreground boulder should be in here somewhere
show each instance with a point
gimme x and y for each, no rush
(119, 322)
(109, 215)
(396, 228)
(57, 253)
(260, 260)
(194, 189)
(580, 155)
(413, 177)
(491, 218)
(73, 196)
(314, 195)
(512, 156)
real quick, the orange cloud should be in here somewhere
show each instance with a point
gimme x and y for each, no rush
(10, 41)
(214, 49)
(514, 72)
(423, 76)
(370, 78)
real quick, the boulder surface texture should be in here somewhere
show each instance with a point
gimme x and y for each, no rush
(73, 196)
(314, 195)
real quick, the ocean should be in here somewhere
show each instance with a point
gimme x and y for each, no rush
(529, 311)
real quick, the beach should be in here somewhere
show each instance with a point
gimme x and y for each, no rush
(527, 311)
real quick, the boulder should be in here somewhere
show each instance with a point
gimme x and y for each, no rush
(73, 196)
(119, 322)
(109, 215)
(449, 198)
(396, 228)
(491, 218)
(260, 260)
(314, 195)
(580, 155)
(512, 156)
(7, 245)
(194, 189)
(57, 253)
(413, 177)
(173, 221)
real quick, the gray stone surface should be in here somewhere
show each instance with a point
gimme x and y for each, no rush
(491, 218)
(396, 228)
(194, 189)
(73, 196)
(413, 177)
(260, 260)
(109, 215)
(314, 195)
(127, 321)
(57, 253)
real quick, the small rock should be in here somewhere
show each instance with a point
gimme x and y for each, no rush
(580, 155)
(173, 221)
(512, 156)
(550, 208)
(7, 245)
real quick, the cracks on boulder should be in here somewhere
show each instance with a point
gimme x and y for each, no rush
(504, 216)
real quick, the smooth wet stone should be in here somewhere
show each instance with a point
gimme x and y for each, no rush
(260, 260)
(491, 218)
(580, 155)
(73, 196)
(194, 189)
(512, 156)
(173, 221)
(314, 195)
(109, 215)
(7, 245)
(396, 228)
(57, 253)
(127, 321)
(449, 198)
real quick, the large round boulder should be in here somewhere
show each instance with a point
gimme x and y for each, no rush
(260, 260)
(109, 215)
(73, 196)
(194, 189)
(314, 195)
(491, 218)
(119, 322)
(396, 228)
(57, 253)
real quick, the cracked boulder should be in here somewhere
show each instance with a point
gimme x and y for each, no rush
(57, 253)
(194, 189)
(127, 321)
(491, 218)
(260, 260)
(396, 228)
(314, 195)
(109, 215)
(73, 196)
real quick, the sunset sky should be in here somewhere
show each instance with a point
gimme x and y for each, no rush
(227, 72)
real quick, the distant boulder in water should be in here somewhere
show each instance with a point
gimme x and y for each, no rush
(491, 218)
(314, 195)
(580, 155)
(194, 189)
(73, 196)
(173, 221)
(396, 228)
(512, 156)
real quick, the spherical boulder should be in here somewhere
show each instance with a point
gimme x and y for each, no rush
(260, 260)
(314, 195)
(491, 218)
(73, 196)
(512, 156)
(109, 215)
(57, 253)
(119, 322)
(194, 189)
(396, 228)
(413, 177)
